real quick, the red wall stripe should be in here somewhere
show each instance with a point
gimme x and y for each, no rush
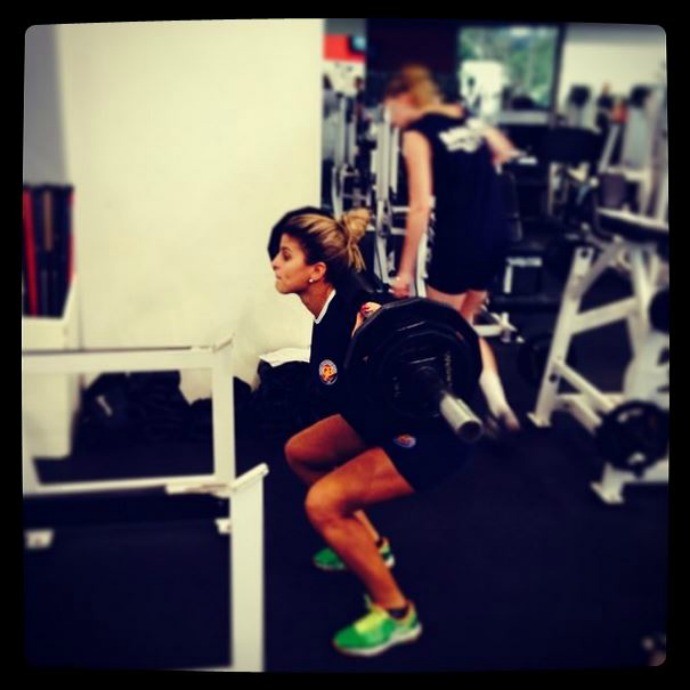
(337, 47)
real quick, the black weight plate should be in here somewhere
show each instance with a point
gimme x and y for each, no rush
(634, 436)
(397, 337)
(442, 351)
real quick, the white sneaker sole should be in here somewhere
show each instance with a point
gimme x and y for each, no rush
(402, 638)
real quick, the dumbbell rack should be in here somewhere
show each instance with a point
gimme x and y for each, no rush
(588, 404)
(244, 494)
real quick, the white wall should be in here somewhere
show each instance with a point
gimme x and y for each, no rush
(185, 142)
(621, 54)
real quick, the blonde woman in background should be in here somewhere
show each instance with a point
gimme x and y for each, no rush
(453, 157)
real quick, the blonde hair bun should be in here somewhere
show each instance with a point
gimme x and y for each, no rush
(355, 223)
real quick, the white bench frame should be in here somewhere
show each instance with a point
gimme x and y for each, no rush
(245, 493)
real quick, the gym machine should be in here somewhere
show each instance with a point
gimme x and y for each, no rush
(641, 139)
(630, 426)
(343, 174)
(351, 169)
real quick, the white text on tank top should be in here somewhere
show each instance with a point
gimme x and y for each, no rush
(466, 137)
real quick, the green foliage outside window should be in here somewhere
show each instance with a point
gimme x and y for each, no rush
(528, 55)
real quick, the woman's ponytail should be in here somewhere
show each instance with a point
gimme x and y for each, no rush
(354, 224)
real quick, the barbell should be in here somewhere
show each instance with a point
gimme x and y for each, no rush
(412, 363)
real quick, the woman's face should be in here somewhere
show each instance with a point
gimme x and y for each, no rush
(401, 109)
(290, 267)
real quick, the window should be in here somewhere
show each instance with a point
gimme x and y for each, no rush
(508, 67)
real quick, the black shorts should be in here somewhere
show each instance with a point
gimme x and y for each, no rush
(425, 458)
(428, 458)
(454, 276)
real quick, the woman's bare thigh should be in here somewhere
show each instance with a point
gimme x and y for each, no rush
(329, 441)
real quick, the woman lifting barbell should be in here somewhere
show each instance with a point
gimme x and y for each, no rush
(347, 465)
(452, 156)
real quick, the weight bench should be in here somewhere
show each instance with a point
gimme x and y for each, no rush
(241, 497)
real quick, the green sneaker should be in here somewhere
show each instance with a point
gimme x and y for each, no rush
(328, 560)
(377, 631)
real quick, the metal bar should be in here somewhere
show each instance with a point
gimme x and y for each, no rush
(248, 478)
(385, 179)
(223, 416)
(247, 572)
(167, 483)
(585, 281)
(638, 319)
(605, 161)
(351, 133)
(642, 284)
(602, 316)
(596, 397)
(339, 149)
(246, 646)
(576, 405)
(508, 278)
(66, 361)
(645, 222)
(560, 344)
(488, 330)
(661, 205)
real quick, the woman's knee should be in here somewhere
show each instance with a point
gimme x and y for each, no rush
(324, 504)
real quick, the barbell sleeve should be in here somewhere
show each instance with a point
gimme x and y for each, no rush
(457, 413)
(461, 418)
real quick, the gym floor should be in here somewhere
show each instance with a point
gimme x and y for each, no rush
(514, 565)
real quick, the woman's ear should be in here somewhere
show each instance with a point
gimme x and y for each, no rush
(318, 271)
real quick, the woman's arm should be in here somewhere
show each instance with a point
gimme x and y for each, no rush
(501, 147)
(417, 153)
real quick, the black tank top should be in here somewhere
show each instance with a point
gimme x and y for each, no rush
(470, 216)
